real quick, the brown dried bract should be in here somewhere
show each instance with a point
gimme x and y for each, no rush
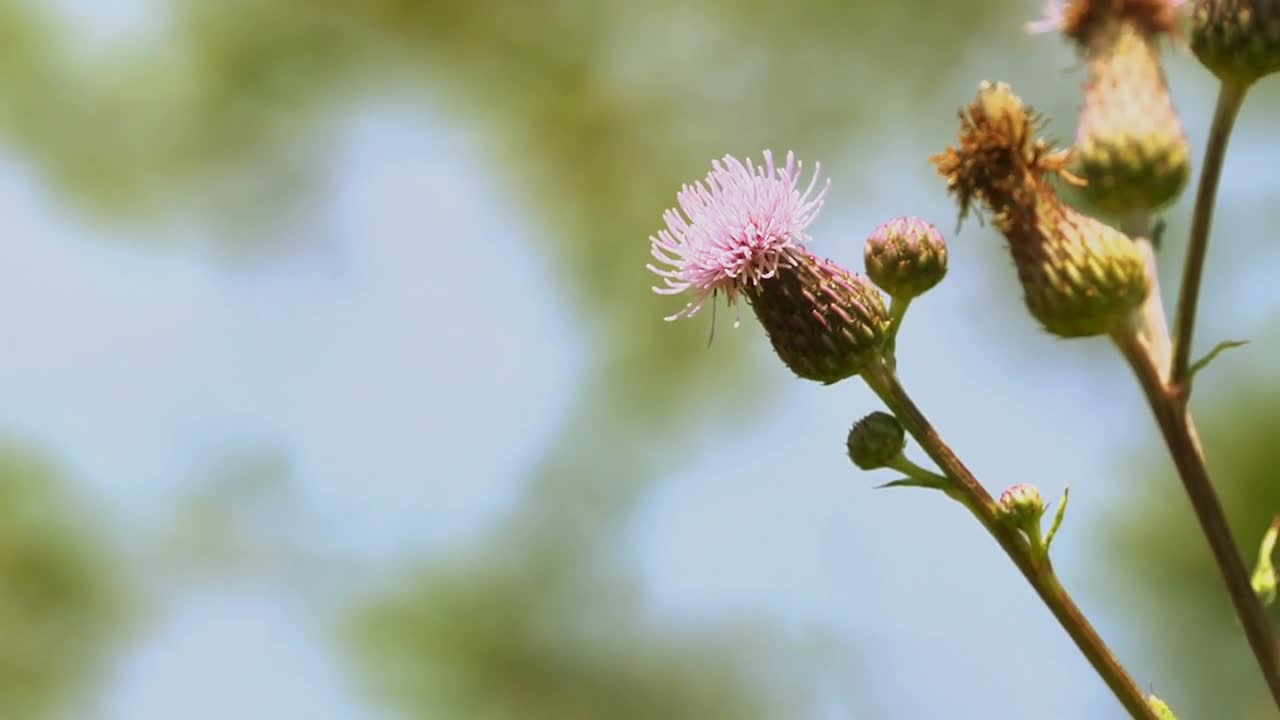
(1153, 17)
(999, 160)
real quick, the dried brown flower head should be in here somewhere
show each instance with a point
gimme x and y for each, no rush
(1080, 277)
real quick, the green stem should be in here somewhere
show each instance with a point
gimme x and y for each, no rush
(897, 311)
(1179, 431)
(884, 382)
(1230, 98)
(1155, 327)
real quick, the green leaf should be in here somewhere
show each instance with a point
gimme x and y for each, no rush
(1203, 362)
(911, 482)
(1057, 518)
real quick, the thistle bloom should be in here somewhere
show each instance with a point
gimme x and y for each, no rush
(731, 230)
(742, 232)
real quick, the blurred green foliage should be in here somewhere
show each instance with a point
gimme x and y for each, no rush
(478, 640)
(60, 603)
(226, 112)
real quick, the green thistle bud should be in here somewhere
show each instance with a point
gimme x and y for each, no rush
(875, 440)
(1079, 276)
(1022, 507)
(1238, 40)
(1130, 146)
(906, 257)
(824, 322)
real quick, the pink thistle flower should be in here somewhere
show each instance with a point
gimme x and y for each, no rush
(731, 230)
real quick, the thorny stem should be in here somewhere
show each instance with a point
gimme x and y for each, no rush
(1230, 98)
(884, 382)
(1179, 430)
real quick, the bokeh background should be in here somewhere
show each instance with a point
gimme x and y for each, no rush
(333, 388)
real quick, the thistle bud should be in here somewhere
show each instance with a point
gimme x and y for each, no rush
(1130, 147)
(875, 440)
(824, 322)
(1237, 40)
(906, 257)
(1021, 507)
(1080, 277)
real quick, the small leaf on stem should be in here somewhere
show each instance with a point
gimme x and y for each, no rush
(912, 482)
(1057, 518)
(1203, 362)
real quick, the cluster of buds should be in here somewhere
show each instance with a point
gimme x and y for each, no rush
(1131, 150)
(741, 233)
(1080, 277)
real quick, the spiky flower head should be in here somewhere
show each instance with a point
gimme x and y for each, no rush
(733, 229)
(1131, 149)
(1238, 40)
(741, 232)
(1080, 277)
(1021, 506)
(906, 257)
(825, 322)
(875, 441)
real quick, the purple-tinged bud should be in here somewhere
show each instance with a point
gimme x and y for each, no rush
(824, 322)
(1021, 506)
(906, 257)
(875, 441)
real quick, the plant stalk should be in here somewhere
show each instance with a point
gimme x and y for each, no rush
(1039, 572)
(1230, 98)
(1179, 431)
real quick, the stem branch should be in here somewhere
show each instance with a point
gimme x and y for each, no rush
(1230, 98)
(884, 382)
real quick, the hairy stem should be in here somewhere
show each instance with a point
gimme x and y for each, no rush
(1230, 98)
(1039, 573)
(1168, 406)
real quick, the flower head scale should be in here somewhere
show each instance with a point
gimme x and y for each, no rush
(732, 229)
